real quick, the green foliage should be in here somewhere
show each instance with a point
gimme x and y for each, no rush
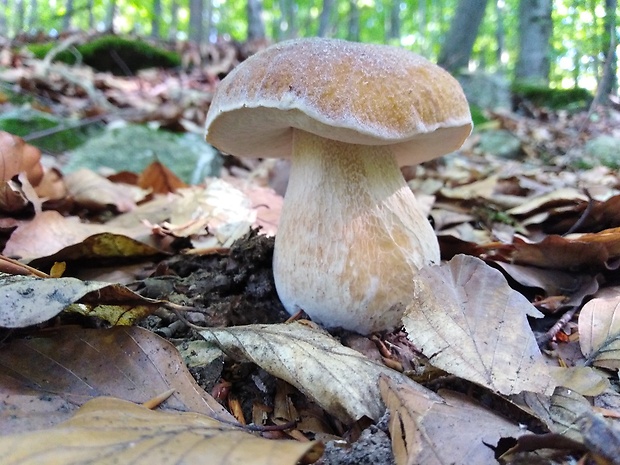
(116, 54)
(477, 115)
(543, 96)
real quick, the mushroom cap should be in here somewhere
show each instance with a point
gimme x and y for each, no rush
(346, 91)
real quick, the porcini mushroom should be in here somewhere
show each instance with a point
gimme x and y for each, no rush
(351, 236)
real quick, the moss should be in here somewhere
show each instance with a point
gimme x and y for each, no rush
(555, 99)
(23, 122)
(115, 54)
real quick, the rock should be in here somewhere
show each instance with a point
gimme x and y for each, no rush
(486, 90)
(501, 143)
(133, 147)
(603, 150)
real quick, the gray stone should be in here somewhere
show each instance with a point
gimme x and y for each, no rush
(603, 150)
(486, 90)
(500, 143)
(134, 147)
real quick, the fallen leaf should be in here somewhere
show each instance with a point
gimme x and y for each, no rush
(341, 380)
(159, 179)
(599, 329)
(49, 233)
(95, 192)
(451, 429)
(469, 322)
(47, 376)
(30, 300)
(584, 380)
(108, 430)
(16, 157)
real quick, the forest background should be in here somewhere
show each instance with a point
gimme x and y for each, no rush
(561, 43)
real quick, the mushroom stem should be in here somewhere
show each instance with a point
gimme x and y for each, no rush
(351, 236)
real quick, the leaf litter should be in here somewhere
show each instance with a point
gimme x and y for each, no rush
(551, 229)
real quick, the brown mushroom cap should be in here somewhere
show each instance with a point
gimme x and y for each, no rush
(346, 91)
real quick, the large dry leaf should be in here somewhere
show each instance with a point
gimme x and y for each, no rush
(108, 430)
(44, 378)
(432, 430)
(49, 233)
(30, 300)
(469, 322)
(599, 329)
(341, 380)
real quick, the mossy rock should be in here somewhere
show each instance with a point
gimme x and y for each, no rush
(601, 150)
(133, 147)
(27, 121)
(556, 99)
(118, 55)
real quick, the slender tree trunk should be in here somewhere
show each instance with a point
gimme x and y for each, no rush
(535, 28)
(155, 18)
(196, 25)
(174, 20)
(66, 20)
(393, 24)
(325, 18)
(20, 10)
(609, 81)
(110, 16)
(459, 43)
(353, 32)
(256, 25)
(91, 14)
(500, 33)
(288, 27)
(33, 15)
(4, 25)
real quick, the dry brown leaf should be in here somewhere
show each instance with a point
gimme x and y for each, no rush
(599, 329)
(16, 157)
(49, 232)
(469, 322)
(12, 197)
(565, 407)
(341, 380)
(47, 376)
(562, 196)
(108, 430)
(479, 189)
(159, 179)
(432, 430)
(97, 193)
(52, 186)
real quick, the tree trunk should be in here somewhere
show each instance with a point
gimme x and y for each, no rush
(393, 29)
(110, 16)
(66, 20)
(325, 18)
(500, 34)
(256, 26)
(33, 14)
(91, 15)
(288, 28)
(4, 25)
(155, 18)
(196, 27)
(20, 16)
(353, 32)
(174, 20)
(609, 81)
(459, 43)
(535, 28)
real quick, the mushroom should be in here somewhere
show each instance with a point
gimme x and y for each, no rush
(352, 235)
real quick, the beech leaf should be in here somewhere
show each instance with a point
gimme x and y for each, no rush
(599, 329)
(341, 380)
(469, 322)
(108, 430)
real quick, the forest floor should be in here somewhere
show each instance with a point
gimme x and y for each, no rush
(119, 287)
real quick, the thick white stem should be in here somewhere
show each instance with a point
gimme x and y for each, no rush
(351, 236)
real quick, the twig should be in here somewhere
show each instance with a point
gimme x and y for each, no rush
(557, 327)
(584, 215)
(63, 127)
